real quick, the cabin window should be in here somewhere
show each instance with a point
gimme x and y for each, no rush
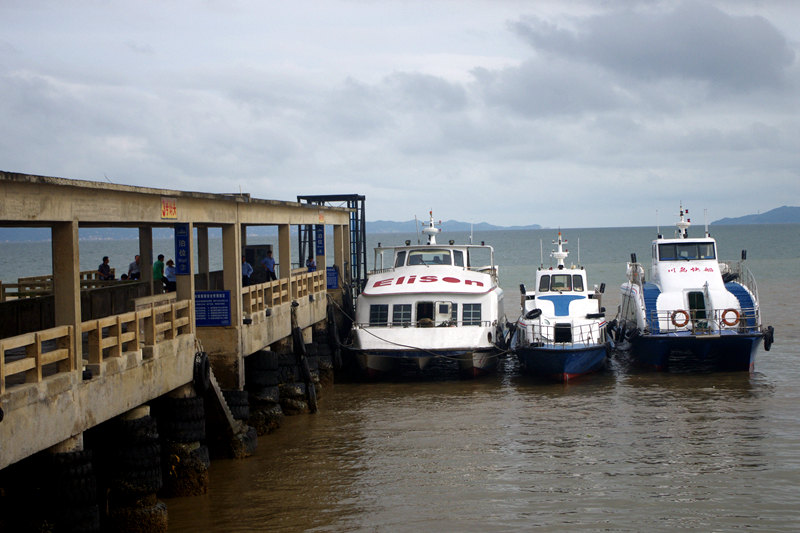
(378, 314)
(577, 282)
(458, 258)
(544, 283)
(454, 314)
(472, 314)
(686, 251)
(560, 282)
(400, 260)
(429, 257)
(706, 250)
(401, 314)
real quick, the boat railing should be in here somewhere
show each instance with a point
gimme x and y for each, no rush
(702, 322)
(569, 336)
(742, 274)
(379, 271)
(425, 323)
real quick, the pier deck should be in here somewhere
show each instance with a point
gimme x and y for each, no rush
(96, 350)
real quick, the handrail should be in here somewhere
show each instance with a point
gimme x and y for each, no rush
(106, 337)
(261, 296)
(698, 322)
(416, 324)
(33, 289)
(37, 354)
(579, 335)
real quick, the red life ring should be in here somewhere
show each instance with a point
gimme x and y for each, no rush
(735, 317)
(676, 314)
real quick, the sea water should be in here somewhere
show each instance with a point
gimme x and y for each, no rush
(623, 450)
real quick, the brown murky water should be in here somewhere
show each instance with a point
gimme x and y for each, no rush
(619, 451)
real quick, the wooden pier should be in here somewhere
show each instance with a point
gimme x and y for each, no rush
(76, 352)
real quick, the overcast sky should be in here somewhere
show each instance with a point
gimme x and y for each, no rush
(571, 114)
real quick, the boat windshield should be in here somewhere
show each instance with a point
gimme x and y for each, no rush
(429, 257)
(686, 251)
(560, 282)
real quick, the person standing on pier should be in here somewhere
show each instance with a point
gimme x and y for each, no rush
(104, 270)
(247, 271)
(311, 265)
(169, 274)
(158, 274)
(269, 266)
(133, 269)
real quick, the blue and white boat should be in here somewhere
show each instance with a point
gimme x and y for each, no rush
(561, 332)
(694, 309)
(433, 302)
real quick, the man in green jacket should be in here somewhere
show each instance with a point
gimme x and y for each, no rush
(158, 274)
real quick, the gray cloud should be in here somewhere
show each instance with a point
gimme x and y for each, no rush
(694, 41)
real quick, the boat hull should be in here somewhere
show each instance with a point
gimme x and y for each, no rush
(562, 364)
(731, 352)
(384, 363)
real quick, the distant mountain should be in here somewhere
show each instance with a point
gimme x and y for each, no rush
(410, 226)
(779, 215)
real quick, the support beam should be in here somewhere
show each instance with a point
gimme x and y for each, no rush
(203, 258)
(284, 251)
(66, 283)
(146, 255)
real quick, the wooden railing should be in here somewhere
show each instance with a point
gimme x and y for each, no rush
(38, 352)
(111, 336)
(33, 286)
(271, 293)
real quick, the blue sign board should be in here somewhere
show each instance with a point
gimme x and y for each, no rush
(212, 308)
(182, 256)
(332, 277)
(320, 238)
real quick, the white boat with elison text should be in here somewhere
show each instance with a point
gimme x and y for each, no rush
(431, 302)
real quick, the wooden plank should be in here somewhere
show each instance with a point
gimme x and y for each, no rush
(20, 365)
(55, 356)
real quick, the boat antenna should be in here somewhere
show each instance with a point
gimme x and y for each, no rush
(560, 254)
(683, 223)
(470, 232)
(658, 224)
(705, 220)
(416, 226)
(541, 253)
(579, 250)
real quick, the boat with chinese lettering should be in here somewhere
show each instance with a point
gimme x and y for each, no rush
(694, 310)
(562, 330)
(433, 302)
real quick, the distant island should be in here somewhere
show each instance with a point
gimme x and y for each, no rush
(779, 215)
(410, 226)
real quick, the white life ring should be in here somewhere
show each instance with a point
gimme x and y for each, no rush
(675, 318)
(735, 317)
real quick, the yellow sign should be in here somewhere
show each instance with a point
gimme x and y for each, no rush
(169, 208)
(321, 217)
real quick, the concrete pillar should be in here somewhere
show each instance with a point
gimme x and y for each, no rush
(284, 251)
(232, 269)
(146, 255)
(348, 255)
(338, 248)
(203, 258)
(66, 283)
(184, 286)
